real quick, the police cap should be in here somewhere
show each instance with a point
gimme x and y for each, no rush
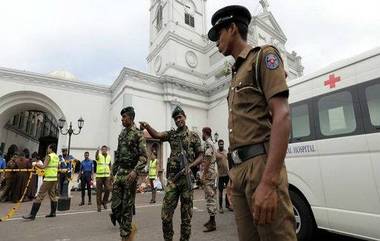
(178, 111)
(226, 15)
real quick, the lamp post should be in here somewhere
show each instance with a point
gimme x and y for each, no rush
(70, 131)
(216, 137)
(65, 199)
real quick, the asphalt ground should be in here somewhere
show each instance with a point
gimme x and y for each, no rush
(86, 224)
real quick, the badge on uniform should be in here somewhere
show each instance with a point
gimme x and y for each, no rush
(271, 61)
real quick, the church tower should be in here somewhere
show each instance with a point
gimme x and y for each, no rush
(178, 39)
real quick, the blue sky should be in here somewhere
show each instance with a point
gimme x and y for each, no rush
(94, 39)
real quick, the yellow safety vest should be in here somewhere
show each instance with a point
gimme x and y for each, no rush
(153, 168)
(103, 166)
(51, 170)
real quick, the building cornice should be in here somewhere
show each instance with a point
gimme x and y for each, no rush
(181, 40)
(46, 80)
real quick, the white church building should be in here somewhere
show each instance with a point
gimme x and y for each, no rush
(185, 68)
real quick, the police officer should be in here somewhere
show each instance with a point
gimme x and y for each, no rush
(131, 158)
(259, 126)
(49, 185)
(191, 144)
(209, 177)
(86, 176)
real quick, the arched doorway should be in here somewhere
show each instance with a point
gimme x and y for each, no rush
(29, 120)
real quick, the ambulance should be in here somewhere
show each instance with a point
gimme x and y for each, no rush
(333, 157)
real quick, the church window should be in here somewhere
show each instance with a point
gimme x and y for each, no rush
(189, 20)
(159, 18)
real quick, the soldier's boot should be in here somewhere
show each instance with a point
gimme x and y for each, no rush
(82, 202)
(113, 219)
(99, 208)
(207, 223)
(211, 226)
(53, 210)
(33, 212)
(132, 234)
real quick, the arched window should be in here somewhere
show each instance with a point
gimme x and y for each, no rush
(189, 13)
(159, 18)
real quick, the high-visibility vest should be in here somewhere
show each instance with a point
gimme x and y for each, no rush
(51, 170)
(103, 165)
(153, 168)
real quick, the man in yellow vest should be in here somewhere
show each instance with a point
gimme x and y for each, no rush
(49, 185)
(153, 174)
(103, 179)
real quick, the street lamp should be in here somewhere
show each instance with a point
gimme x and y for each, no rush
(65, 199)
(216, 136)
(70, 131)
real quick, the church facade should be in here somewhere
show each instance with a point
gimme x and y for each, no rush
(185, 69)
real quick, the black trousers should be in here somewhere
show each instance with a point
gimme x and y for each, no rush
(222, 183)
(86, 182)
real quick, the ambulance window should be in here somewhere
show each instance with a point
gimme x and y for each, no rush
(373, 102)
(336, 114)
(300, 121)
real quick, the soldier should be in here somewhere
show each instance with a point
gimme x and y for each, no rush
(131, 158)
(103, 177)
(208, 178)
(191, 144)
(49, 185)
(259, 126)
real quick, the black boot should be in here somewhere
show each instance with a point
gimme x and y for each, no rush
(113, 219)
(206, 224)
(53, 206)
(33, 212)
(211, 225)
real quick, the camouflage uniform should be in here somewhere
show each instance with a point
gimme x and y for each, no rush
(131, 155)
(192, 145)
(209, 181)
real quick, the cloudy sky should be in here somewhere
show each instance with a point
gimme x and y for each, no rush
(94, 39)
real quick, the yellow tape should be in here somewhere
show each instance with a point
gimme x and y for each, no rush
(11, 212)
(31, 170)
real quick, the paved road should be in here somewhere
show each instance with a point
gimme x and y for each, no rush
(85, 224)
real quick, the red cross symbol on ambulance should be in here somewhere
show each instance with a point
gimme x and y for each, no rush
(331, 82)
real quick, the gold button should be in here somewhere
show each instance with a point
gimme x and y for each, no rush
(230, 130)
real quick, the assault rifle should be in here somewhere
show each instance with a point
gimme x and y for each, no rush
(184, 166)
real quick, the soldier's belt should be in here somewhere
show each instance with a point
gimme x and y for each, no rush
(243, 154)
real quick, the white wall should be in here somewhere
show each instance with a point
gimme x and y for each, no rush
(74, 103)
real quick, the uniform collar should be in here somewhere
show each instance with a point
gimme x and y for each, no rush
(184, 129)
(242, 57)
(132, 127)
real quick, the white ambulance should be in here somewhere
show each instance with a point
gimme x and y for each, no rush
(333, 159)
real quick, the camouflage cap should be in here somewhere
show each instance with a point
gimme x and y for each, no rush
(178, 111)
